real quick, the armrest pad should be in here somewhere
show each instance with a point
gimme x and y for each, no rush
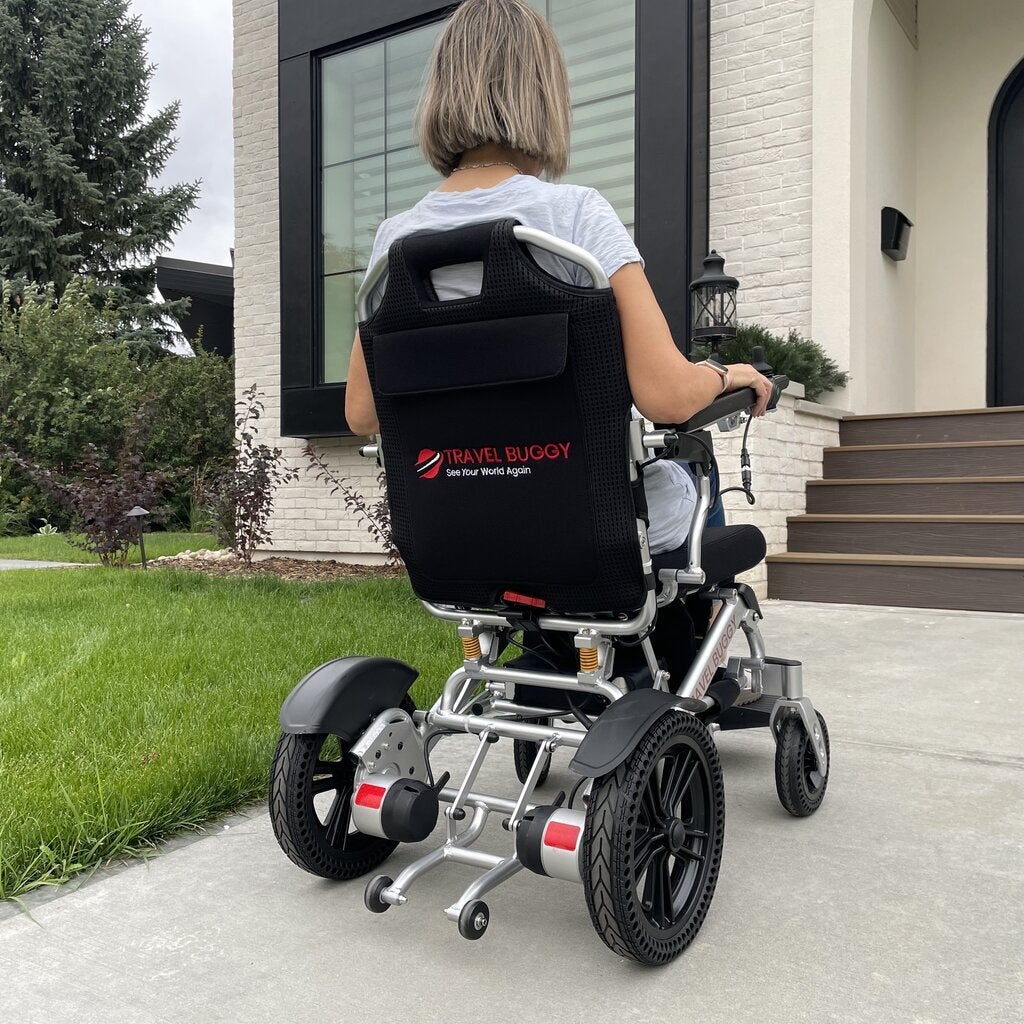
(727, 405)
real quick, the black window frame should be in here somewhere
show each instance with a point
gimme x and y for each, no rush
(672, 122)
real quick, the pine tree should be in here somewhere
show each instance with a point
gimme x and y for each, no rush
(78, 155)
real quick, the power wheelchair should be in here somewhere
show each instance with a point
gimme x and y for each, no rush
(515, 482)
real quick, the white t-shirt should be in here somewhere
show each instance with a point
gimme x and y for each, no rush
(575, 214)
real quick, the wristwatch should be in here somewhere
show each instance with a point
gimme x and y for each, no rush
(719, 369)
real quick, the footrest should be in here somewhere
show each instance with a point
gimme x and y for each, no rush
(754, 715)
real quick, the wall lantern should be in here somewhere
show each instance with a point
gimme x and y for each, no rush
(713, 303)
(895, 233)
(138, 513)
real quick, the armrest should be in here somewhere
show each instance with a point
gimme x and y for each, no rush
(729, 404)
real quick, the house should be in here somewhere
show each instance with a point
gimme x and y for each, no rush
(855, 160)
(210, 291)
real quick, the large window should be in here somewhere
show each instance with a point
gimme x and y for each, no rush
(349, 78)
(371, 167)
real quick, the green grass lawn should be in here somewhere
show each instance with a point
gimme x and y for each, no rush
(135, 704)
(58, 549)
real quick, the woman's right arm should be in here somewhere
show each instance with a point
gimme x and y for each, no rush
(666, 386)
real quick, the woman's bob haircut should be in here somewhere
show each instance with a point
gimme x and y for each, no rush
(496, 76)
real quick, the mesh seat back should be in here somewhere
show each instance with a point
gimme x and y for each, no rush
(504, 428)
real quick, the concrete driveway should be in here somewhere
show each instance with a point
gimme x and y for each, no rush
(902, 900)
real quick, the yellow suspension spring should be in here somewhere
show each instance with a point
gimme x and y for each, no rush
(471, 647)
(588, 659)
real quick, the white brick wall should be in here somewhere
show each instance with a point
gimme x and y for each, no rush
(785, 452)
(760, 217)
(307, 519)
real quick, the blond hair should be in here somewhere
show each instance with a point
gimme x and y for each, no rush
(496, 75)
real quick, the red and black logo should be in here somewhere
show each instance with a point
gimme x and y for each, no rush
(428, 463)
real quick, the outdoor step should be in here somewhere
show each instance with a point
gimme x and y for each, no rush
(950, 458)
(906, 581)
(931, 495)
(999, 424)
(978, 536)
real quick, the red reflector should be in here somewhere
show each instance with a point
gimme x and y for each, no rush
(370, 796)
(513, 598)
(562, 837)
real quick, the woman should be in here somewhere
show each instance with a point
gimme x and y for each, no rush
(494, 116)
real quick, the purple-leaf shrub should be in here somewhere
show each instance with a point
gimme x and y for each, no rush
(374, 515)
(242, 499)
(97, 498)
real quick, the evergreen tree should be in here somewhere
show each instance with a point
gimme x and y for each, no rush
(78, 154)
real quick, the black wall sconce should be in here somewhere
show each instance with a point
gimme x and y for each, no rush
(895, 233)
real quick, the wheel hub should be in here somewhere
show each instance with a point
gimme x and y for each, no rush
(676, 833)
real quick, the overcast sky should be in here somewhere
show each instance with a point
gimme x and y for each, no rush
(190, 42)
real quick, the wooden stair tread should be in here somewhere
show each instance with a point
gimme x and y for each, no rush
(924, 445)
(837, 517)
(886, 539)
(869, 481)
(933, 412)
(910, 561)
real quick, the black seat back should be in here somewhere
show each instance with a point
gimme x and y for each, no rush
(504, 427)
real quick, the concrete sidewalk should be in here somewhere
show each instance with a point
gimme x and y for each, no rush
(23, 563)
(902, 900)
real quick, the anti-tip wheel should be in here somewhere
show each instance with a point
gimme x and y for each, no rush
(474, 919)
(372, 894)
(801, 787)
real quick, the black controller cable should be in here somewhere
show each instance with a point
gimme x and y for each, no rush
(745, 474)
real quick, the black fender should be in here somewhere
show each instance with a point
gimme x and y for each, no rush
(620, 727)
(343, 696)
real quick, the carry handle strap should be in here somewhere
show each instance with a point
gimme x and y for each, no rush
(424, 252)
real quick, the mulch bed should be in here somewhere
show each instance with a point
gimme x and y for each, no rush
(300, 569)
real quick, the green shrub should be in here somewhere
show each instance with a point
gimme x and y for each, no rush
(13, 523)
(68, 383)
(64, 384)
(797, 357)
(192, 432)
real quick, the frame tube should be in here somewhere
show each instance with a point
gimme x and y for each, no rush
(529, 236)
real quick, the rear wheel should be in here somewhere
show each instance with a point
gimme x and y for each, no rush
(653, 842)
(310, 804)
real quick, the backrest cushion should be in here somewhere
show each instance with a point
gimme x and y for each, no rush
(504, 426)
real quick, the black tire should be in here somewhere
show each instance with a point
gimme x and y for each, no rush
(800, 785)
(321, 844)
(371, 895)
(474, 919)
(651, 853)
(523, 753)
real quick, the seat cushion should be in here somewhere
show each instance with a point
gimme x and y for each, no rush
(726, 551)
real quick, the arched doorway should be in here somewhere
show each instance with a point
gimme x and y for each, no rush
(1006, 244)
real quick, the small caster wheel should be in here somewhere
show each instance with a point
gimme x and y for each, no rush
(523, 754)
(372, 894)
(474, 919)
(801, 787)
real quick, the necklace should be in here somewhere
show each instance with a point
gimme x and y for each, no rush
(480, 167)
